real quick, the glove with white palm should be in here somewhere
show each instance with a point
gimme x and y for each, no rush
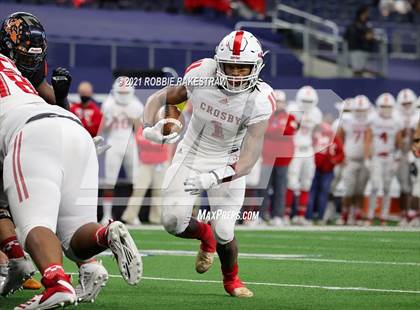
(100, 145)
(204, 181)
(154, 133)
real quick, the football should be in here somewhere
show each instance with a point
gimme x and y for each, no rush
(174, 116)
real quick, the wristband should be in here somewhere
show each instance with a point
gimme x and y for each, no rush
(224, 174)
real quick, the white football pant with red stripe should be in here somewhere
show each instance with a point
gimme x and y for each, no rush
(51, 177)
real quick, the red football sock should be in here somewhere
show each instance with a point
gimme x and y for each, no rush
(101, 237)
(230, 274)
(52, 271)
(201, 231)
(303, 202)
(12, 248)
(345, 215)
(358, 215)
(303, 198)
(289, 197)
(208, 242)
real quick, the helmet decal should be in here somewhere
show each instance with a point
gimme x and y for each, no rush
(237, 43)
(14, 29)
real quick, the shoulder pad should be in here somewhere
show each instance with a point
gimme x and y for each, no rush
(201, 68)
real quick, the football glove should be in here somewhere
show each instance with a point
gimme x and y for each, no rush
(61, 81)
(203, 181)
(100, 145)
(154, 133)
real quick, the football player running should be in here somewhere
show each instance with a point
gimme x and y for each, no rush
(383, 139)
(406, 108)
(23, 40)
(65, 218)
(221, 145)
(302, 167)
(354, 174)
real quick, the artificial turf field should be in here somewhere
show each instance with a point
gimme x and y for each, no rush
(285, 269)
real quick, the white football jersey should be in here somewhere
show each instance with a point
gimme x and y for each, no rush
(343, 118)
(219, 119)
(308, 120)
(19, 101)
(118, 118)
(384, 132)
(354, 133)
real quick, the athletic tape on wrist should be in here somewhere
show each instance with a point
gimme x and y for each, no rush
(224, 174)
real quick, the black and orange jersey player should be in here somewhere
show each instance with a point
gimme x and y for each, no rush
(23, 40)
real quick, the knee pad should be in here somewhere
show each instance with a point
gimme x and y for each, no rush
(173, 224)
(223, 233)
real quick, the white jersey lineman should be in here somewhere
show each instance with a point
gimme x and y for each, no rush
(120, 113)
(49, 161)
(355, 175)
(213, 140)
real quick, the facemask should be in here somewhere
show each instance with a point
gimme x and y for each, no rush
(385, 112)
(360, 114)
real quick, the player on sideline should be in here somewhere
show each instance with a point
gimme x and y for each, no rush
(23, 39)
(406, 103)
(302, 167)
(222, 143)
(337, 186)
(352, 132)
(122, 112)
(383, 140)
(66, 217)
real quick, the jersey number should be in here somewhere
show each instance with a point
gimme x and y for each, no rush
(217, 130)
(384, 137)
(120, 123)
(19, 81)
(357, 135)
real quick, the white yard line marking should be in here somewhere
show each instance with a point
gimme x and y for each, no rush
(299, 228)
(330, 288)
(288, 257)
